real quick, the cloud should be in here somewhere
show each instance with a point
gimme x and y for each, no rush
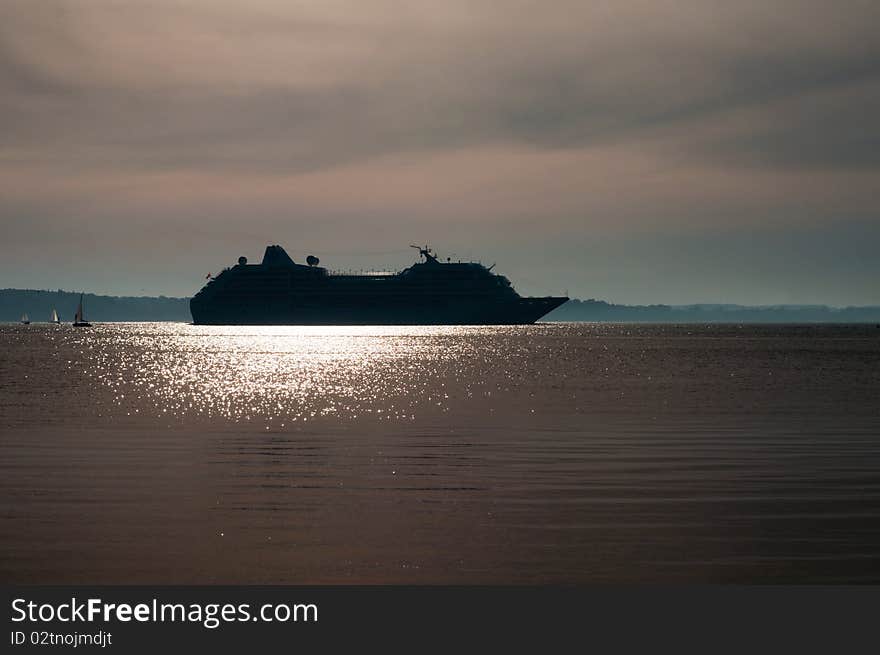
(299, 87)
(554, 118)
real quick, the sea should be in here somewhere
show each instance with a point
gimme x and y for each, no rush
(557, 453)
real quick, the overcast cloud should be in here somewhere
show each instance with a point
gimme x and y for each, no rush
(634, 151)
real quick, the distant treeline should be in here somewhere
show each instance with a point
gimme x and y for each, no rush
(599, 310)
(38, 305)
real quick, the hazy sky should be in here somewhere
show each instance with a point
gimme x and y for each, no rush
(636, 151)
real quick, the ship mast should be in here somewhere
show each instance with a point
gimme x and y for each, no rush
(426, 253)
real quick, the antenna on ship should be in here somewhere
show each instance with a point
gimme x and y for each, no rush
(426, 253)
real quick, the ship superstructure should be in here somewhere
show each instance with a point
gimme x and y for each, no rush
(278, 291)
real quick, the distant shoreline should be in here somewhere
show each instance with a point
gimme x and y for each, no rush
(601, 311)
(38, 305)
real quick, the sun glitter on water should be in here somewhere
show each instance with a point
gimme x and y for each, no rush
(282, 375)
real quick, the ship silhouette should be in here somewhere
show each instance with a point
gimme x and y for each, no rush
(278, 291)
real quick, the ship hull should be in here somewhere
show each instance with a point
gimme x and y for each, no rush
(279, 291)
(372, 311)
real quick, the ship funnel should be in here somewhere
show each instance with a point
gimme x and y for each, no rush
(276, 256)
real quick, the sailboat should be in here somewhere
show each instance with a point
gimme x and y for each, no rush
(25, 320)
(55, 319)
(78, 320)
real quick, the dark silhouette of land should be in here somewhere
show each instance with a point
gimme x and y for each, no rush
(599, 310)
(39, 304)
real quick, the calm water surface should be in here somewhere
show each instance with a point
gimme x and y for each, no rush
(171, 453)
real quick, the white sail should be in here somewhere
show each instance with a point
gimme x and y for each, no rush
(24, 318)
(55, 316)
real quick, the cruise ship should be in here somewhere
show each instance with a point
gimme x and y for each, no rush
(279, 291)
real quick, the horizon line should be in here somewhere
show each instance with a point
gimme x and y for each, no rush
(571, 299)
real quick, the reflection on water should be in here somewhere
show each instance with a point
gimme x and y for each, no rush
(179, 453)
(282, 375)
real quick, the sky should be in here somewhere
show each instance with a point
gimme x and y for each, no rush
(638, 151)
